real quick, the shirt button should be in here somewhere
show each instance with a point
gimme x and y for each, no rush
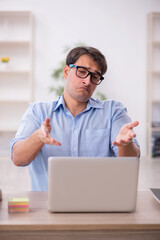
(74, 149)
(74, 131)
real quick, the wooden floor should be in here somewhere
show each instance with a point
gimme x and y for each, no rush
(14, 178)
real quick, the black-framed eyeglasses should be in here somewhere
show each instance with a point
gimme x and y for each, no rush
(83, 72)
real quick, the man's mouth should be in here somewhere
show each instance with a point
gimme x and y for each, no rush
(84, 88)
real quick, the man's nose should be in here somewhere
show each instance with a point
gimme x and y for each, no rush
(87, 80)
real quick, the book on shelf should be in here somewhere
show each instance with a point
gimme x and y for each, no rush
(156, 145)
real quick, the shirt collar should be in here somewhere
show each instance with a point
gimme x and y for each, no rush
(59, 102)
(92, 103)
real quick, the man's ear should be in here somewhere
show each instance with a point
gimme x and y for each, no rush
(66, 71)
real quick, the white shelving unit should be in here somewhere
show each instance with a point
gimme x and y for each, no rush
(153, 86)
(16, 76)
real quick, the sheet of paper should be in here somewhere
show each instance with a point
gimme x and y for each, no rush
(156, 193)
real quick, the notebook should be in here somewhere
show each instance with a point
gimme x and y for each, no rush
(92, 184)
(156, 193)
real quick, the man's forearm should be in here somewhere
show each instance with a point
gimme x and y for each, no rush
(130, 150)
(26, 150)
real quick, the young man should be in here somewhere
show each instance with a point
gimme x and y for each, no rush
(75, 124)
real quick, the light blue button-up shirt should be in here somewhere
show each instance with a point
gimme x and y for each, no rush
(90, 133)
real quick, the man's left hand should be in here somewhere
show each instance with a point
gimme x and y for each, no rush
(126, 134)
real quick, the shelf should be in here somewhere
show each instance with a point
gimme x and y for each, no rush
(8, 128)
(5, 157)
(14, 71)
(15, 27)
(5, 154)
(155, 129)
(20, 57)
(14, 43)
(155, 101)
(156, 73)
(16, 77)
(155, 158)
(14, 100)
(156, 43)
(15, 13)
(153, 86)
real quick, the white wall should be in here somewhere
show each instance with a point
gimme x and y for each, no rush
(118, 28)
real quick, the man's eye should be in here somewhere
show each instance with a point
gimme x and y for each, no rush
(82, 71)
(96, 77)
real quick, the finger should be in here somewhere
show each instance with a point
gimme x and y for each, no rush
(47, 121)
(122, 142)
(51, 141)
(46, 127)
(128, 137)
(133, 124)
(116, 144)
(55, 142)
(132, 135)
(45, 131)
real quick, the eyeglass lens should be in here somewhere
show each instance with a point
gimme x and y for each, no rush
(83, 73)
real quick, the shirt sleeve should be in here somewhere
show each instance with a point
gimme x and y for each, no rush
(119, 118)
(29, 124)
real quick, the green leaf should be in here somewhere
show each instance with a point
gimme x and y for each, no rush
(101, 96)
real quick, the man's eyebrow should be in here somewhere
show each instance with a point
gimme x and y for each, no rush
(90, 68)
(98, 72)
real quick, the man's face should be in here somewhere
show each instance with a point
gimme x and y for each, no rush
(80, 89)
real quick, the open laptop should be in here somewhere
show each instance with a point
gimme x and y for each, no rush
(92, 184)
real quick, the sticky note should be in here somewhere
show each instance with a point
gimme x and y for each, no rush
(18, 205)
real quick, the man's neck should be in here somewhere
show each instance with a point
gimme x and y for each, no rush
(75, 107)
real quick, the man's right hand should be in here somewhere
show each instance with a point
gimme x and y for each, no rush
(44, 133)
(26, 150)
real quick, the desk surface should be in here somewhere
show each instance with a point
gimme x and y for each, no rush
(146, 216)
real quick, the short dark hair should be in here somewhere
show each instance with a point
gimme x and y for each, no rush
(94, 53)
